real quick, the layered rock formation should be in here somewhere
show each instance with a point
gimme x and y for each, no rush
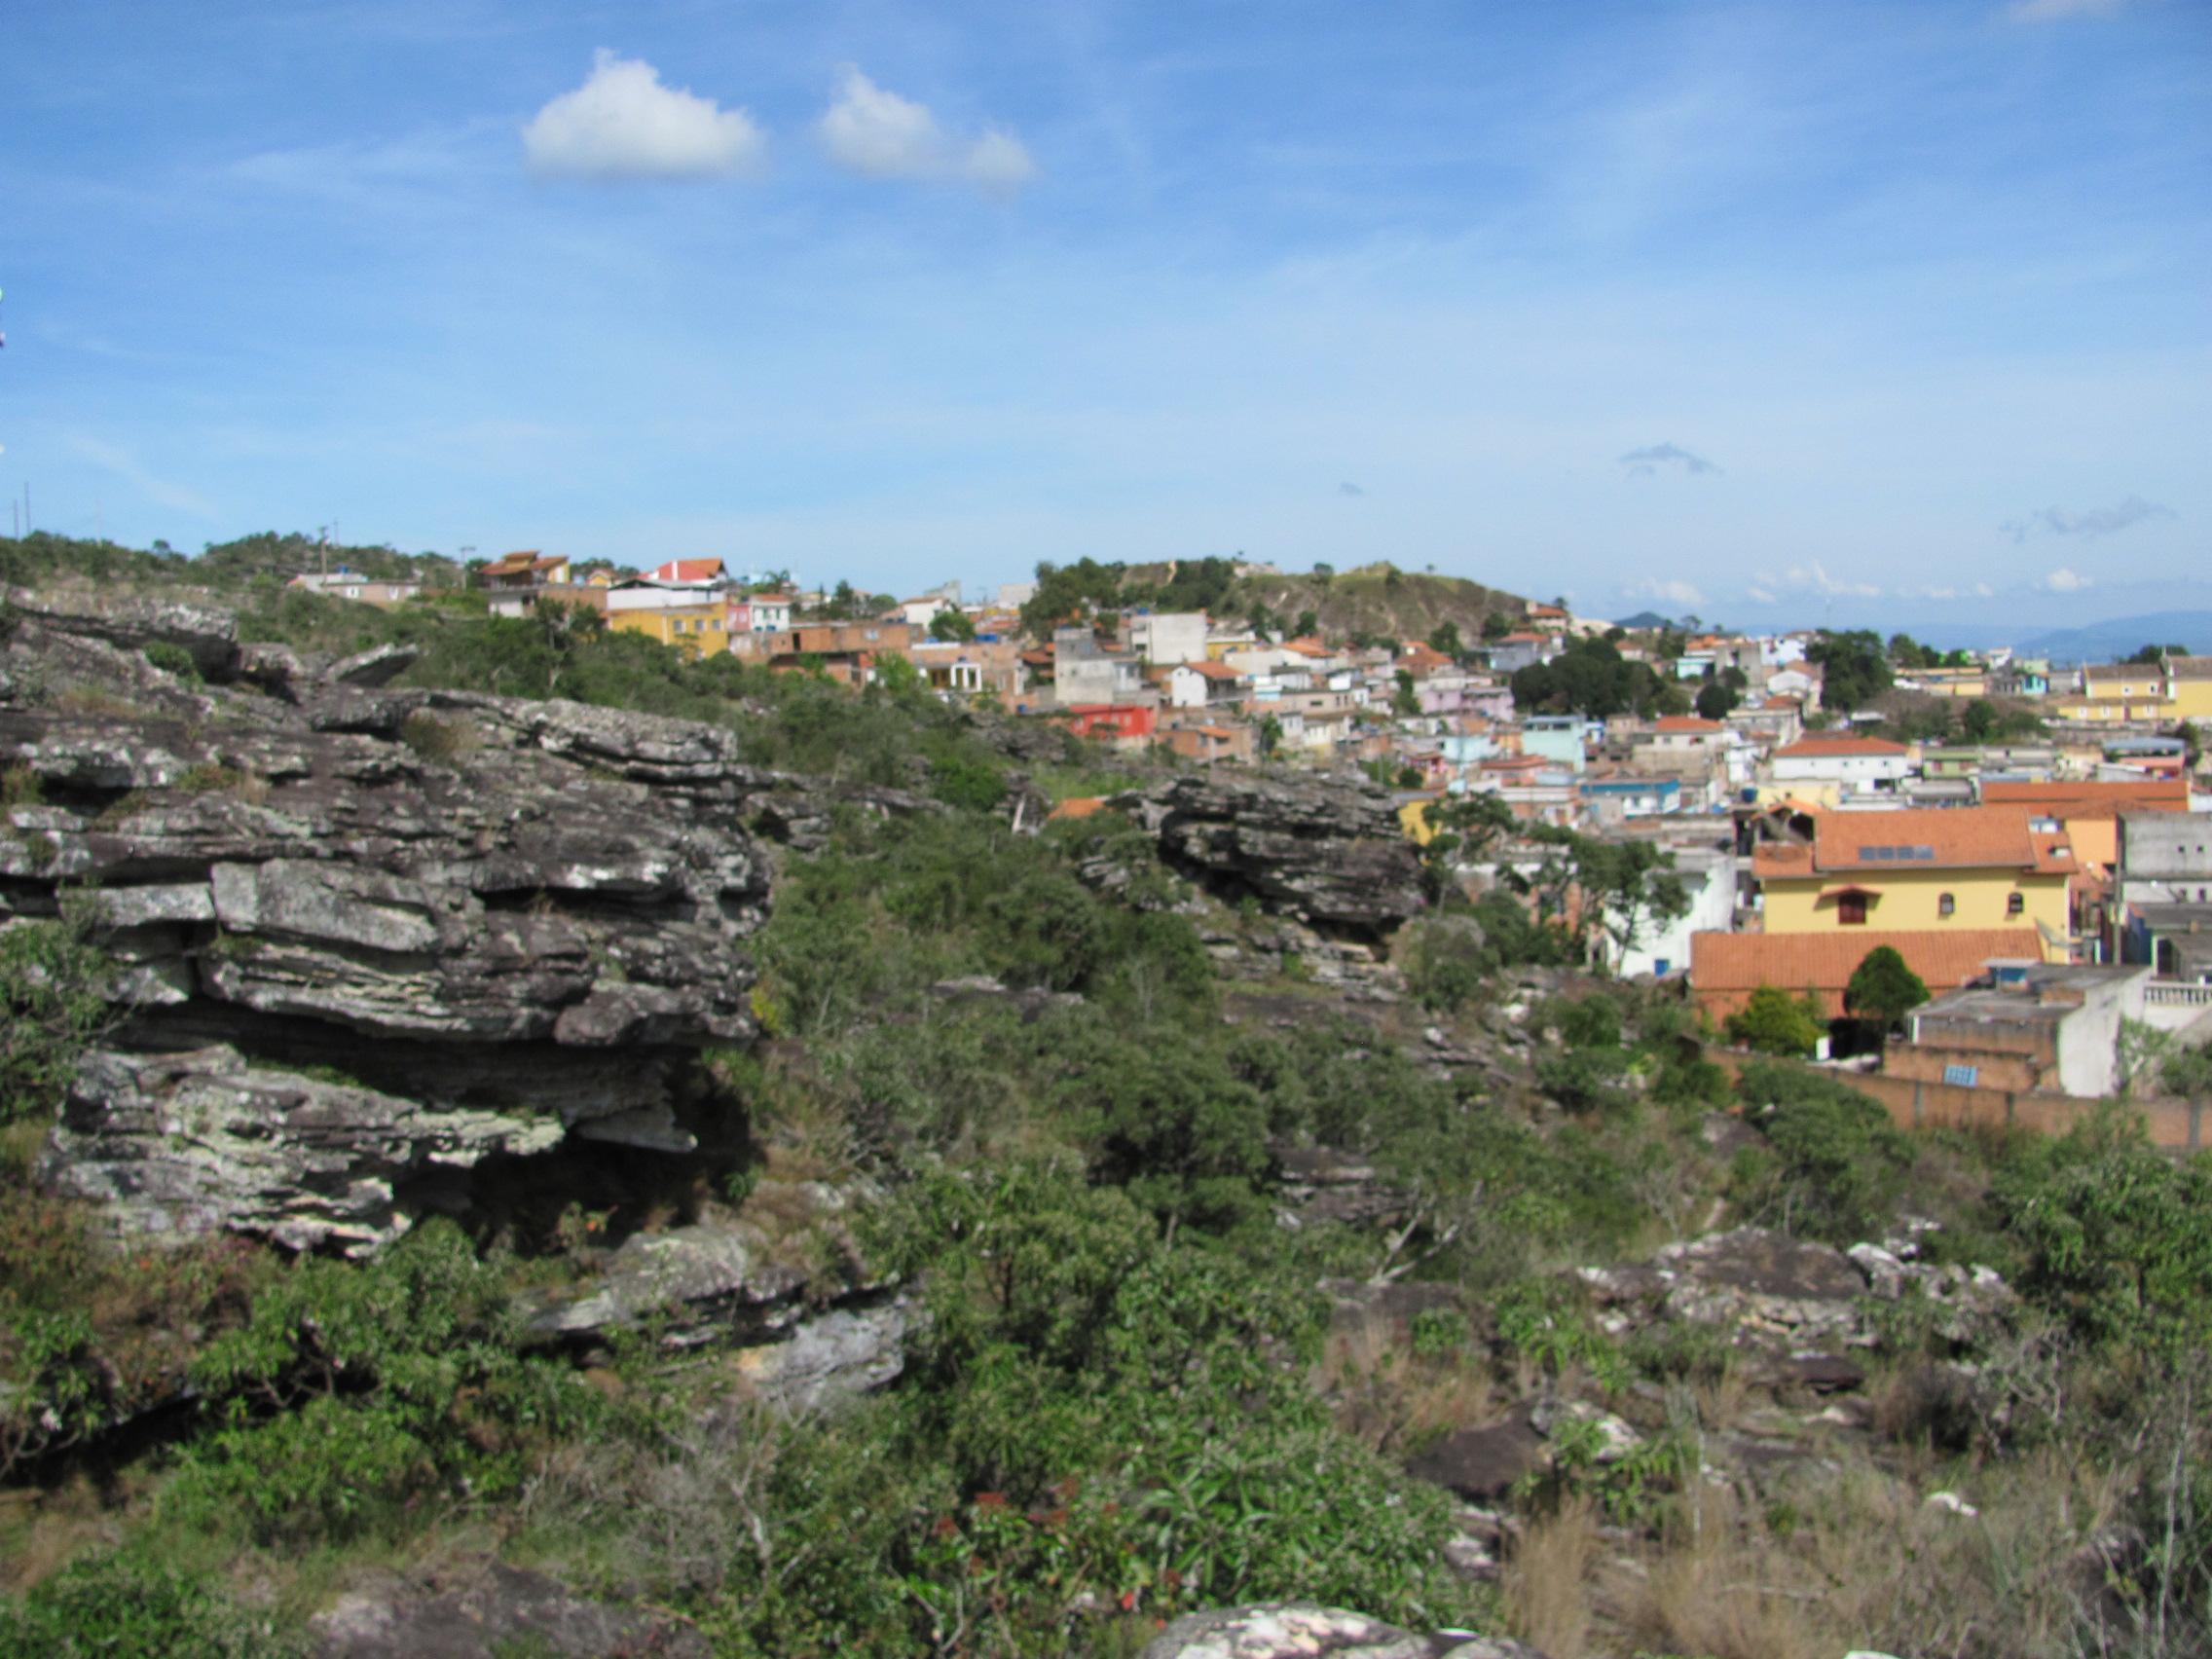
(1325, 852)
(367, 935)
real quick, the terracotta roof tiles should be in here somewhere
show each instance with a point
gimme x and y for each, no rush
(1722, 963)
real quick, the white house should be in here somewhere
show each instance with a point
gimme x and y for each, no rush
(1854, 765)
(1168, 636)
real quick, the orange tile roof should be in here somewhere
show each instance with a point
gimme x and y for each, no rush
(1685, 723)
(1820, 748)
(1944, 837)
(1724, 963)
(2104, 798)
(686, 571)
(1782, 703)
(1210, 670)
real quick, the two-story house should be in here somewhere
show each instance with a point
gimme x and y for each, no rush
(1936, 870)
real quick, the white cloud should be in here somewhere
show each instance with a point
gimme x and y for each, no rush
(2064, 580)
(124, 465)
(871, 130)
(1670, 591)
(1760, 595)
(1814, 575)
(998, 161)
(623, 123)
(2058, 11)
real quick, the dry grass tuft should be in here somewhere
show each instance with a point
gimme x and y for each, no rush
(1546, 1582)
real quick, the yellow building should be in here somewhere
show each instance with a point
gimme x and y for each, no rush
(2188, 687)
(2121, 691)
(702, 629)
(1939, 869)
(1970, 682)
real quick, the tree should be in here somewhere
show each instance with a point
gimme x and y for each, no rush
(1446, 639)
(1854, 668)
(1496, 626)
(1715, 701)
(1271, 737)
(1626, 887)
(2151, 655)
(1405, 700)
(951, 624)
(1775, 1022)
(2193, 742)
(1308, 625)
(1883, 989)
(1979, 723)
(1465, 830)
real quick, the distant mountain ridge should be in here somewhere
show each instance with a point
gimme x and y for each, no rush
(2122, 636)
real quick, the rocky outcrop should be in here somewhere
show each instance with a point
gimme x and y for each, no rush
(1300, 1630)
(1328, 852)
(488, 1609)
(369, 936)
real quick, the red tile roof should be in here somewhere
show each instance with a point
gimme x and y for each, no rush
(1210, 670)
(1726, 968)
(685, 571)
(1685, 723)
(1820, 748)
(1954, 837)
(2104, 798)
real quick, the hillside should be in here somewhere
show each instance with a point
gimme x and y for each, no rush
(1382, 600)
(517, 1141)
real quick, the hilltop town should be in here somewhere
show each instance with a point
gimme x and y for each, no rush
(2020, 836)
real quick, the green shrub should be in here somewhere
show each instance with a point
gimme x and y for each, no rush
(115, 1605)
(172, 659)
(1774, 1022)
(1839, 1162)
(52, 984)
(353, 1387)
(2117, 1236)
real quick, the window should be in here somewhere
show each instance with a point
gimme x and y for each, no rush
(1946, 905)
(1851, 910)
(2015, 905)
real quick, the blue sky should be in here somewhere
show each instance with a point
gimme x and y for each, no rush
(1742, 309)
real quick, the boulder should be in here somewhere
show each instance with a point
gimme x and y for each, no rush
(489, 1610)
(1328, 852)
(1301, 1629)
(1484, 1463)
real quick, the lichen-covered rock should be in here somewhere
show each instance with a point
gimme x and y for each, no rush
(1300, 1630)
(365, 933)
(489, 1610)
(1329, 852)
(184, 1144)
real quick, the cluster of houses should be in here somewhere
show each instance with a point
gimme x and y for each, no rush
(2040, 889)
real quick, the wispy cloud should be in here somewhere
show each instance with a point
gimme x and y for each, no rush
(872, 131)
(1644, 463)
(2058, 11)
(2064, 580)
(1349, 488)
(2096, 521)
(623, 124)
(1667, 591)
(121, 463)
(1812, 576)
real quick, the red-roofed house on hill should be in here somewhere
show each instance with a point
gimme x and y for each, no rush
(1944, 870)
(1843, 765)
(1726, 968)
